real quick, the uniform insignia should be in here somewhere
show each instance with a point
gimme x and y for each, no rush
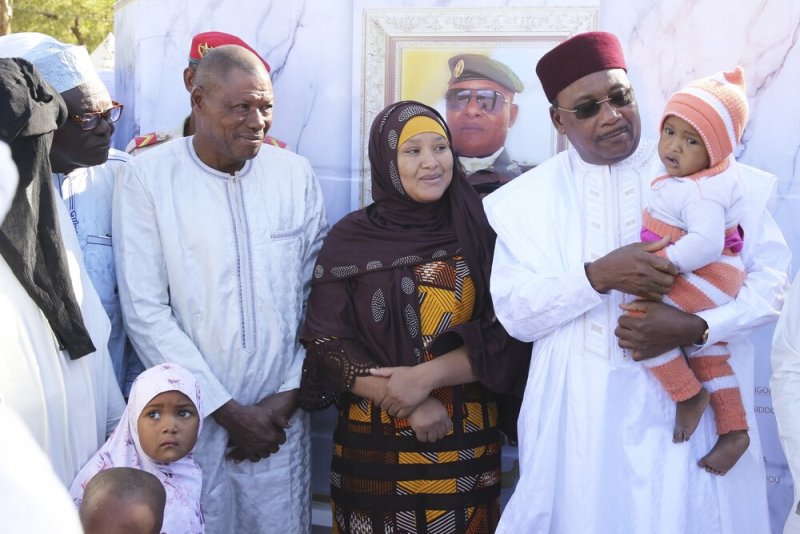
(145, 140)
(458, 70)
(203, 49)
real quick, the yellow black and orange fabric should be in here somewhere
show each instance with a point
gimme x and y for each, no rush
(383, 479)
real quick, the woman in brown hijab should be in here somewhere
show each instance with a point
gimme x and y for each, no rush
(401, 334)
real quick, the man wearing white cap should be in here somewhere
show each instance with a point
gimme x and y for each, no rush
(84, 168)
(55, 371)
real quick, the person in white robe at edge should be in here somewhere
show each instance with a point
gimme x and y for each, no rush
(55, 370)
(595, 430)
(785, 386)
(85, 183)
(215, 238)
(26, 492)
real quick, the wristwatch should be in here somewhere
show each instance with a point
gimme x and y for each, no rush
(703, 339)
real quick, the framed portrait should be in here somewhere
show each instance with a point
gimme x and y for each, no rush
(408, 54)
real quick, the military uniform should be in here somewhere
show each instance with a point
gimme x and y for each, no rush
(140, 143)
(499, 173)
(489, 173)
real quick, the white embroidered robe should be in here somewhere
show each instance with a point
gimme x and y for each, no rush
(214, 271)
(595, 431)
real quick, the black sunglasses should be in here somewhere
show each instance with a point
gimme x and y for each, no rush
(587, 110)
(488, 100)
(91, 120)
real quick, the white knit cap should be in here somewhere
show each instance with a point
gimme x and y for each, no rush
(8, 180)
(18, 44)
(63, 66)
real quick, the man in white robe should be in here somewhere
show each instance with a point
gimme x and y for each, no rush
(34, 499)
(69, 405)
(595, 431)
(88, 193)
(215, 237)
(28, 483)
(83, 168)
(785, 386)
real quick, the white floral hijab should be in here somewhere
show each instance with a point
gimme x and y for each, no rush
(182, 479)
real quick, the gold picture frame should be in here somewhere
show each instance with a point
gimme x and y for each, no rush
(404, 56)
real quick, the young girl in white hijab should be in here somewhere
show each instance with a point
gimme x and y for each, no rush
(157, 433)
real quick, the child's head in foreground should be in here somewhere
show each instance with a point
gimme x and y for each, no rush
(703, 123)
(123, 500)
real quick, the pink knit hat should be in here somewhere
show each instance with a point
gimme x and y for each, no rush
(717, 108)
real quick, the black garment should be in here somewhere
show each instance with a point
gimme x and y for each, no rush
(371, 253)
(30, 237)
(499, 173)
(486, 181)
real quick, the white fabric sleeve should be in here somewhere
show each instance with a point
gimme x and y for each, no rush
(144, 288)
(531, 305)
(34, 498)
(115, 403)
(766, 260)
(785, 380)
(315, 229)
(704, 239)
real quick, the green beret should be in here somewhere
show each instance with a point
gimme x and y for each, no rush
(480, 67)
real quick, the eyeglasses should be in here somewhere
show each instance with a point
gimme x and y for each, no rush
(587, 110)
(487, 100)
(91, 120)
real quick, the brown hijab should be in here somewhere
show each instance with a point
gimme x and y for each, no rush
(363, 290)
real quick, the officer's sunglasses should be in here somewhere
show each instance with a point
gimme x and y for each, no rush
(487, 100)
(91, 120)
(588, 109)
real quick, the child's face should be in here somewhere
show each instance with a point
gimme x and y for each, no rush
(681, 148)
(168, 427)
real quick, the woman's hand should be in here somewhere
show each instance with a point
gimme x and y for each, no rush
(430, 421)
(406, 388)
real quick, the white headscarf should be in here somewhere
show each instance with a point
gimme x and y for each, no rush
(64, 66)
(182, 479)
(8, 180)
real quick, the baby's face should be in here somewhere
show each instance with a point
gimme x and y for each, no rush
(681, 148)
(168, 426)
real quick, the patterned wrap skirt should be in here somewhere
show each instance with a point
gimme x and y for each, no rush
(383, 480)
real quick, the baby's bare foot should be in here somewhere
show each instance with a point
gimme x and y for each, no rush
(687, 416)
(726, 452)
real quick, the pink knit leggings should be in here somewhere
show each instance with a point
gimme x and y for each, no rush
(684, 372)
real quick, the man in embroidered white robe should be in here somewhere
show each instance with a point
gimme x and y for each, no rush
(69, 405)
(595, 431)
(215, 237)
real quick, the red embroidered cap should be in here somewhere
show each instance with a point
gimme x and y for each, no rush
(203, 42)
(576, 57)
